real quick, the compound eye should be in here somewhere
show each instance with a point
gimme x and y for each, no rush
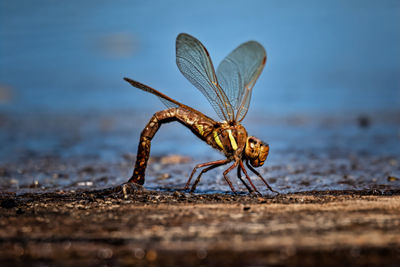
(252, 142)
(264, 150)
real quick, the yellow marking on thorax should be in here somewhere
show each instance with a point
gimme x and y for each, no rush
(200, 128)
(217, 140)
(232, 139)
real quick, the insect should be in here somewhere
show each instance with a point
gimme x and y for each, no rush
(229, 91)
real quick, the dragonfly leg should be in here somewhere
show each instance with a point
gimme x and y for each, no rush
(213, 164)
(226, 177)
(247, 176)
(201, 165)
(259, 175)
(239, 175)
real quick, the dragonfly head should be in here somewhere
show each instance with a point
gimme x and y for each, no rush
(256, 151)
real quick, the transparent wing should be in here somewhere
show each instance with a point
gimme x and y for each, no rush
(195, 64)
(167, 101)
(238, 73)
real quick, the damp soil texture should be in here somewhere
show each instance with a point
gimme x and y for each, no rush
(61, 203)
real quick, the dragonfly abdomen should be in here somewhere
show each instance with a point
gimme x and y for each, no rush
(200, 124)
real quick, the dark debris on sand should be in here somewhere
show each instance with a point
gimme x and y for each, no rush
(142, 227)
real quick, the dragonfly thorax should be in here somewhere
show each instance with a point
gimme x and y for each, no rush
(256, 151)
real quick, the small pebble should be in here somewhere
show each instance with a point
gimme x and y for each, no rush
(363, 121)
(163, 176)
(392, 178)
(175, 159)
(151, 255)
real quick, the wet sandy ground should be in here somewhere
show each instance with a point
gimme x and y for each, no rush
(339, 180)
(100, 227)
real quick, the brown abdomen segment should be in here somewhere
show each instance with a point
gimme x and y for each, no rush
(197, 122)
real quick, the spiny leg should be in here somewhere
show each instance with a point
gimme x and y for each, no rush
(259, 175)
(239, 175)
(215, 164)
(201, 165)
(248, 177)
(226, 177)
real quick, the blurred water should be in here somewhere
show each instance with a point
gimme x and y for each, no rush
(323, 56)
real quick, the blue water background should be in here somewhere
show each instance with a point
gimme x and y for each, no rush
(323, 56)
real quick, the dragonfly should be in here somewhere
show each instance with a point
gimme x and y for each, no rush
(228, 90)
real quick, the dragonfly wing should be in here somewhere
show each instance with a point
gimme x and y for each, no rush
(238, 73)
(194, 62)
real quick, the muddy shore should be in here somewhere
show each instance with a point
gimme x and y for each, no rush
(177, 228)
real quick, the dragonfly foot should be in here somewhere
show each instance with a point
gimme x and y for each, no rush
(185, 189)
(255, 194)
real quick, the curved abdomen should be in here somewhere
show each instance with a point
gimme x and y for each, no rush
(198, 123)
